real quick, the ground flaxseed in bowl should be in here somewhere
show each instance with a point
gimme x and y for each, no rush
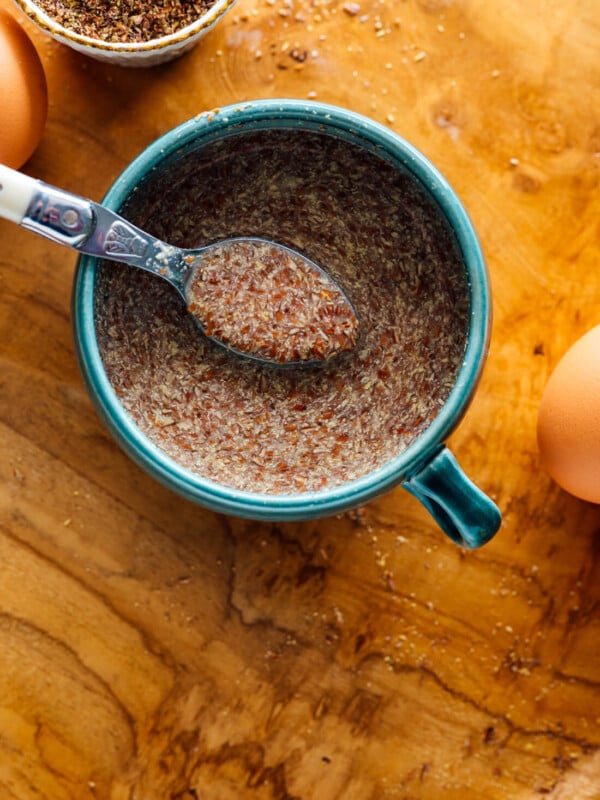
(126, 32)
(262, 429)
(124, 20)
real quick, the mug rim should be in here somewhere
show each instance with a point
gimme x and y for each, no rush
(269, 114)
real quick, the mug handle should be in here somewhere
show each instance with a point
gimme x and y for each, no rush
(460, 508)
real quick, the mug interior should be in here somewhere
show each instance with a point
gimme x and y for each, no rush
(349, 127)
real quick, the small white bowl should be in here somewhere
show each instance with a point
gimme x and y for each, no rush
(128, 54)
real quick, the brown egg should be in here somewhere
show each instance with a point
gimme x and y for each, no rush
(23, 94)
(569, 420)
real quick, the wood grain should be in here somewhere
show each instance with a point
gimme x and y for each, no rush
(150, 649)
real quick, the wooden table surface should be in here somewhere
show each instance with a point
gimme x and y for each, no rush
(150, 649)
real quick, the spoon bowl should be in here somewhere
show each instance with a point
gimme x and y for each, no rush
(258, 299)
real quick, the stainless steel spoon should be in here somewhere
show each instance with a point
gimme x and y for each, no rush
(256, 298)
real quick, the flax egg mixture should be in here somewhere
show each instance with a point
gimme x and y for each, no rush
(268, 302)
(289, 430)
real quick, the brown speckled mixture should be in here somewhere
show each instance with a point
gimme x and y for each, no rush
(277, 430)
(125, 20)
(268, 302)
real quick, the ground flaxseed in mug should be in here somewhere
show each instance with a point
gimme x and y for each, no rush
(125, 20)
(272, 430)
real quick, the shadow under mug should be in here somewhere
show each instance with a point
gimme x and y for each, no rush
(427, 469)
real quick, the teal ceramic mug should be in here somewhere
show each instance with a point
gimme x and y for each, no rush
(427, 469)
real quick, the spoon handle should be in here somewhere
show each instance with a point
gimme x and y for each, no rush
(16, 191)
(83, 225)
(46, 210)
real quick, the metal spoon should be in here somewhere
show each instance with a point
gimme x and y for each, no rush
(256, 298)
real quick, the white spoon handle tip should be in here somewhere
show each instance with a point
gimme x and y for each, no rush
(16, 193)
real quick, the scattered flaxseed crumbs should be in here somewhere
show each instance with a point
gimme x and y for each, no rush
(298, 54)
(269, 303)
